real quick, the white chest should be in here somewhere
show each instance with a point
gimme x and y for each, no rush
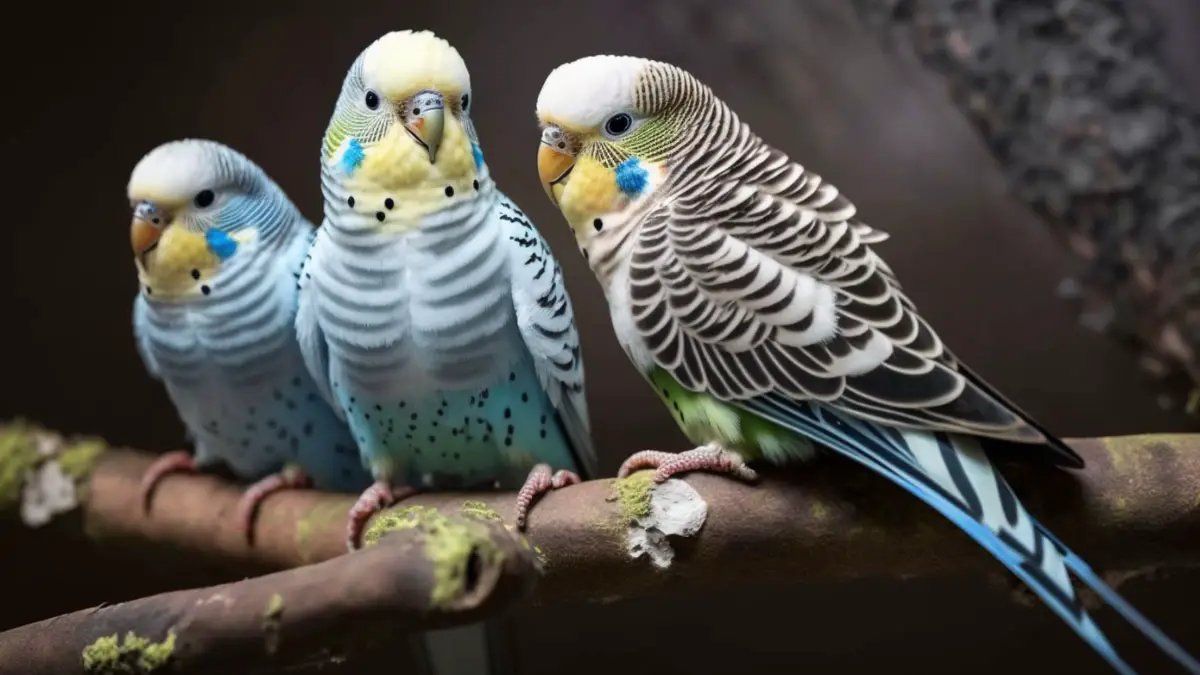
(427, 309)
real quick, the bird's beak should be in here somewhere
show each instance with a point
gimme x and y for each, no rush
(554, 162)
(427, 126)
(147, 227)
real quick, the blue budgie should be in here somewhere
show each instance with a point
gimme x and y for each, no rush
(218, 247)
(747, 292)
(431, 310)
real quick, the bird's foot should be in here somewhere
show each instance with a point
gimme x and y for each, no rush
(711, 458)
(290, 478)
(178, 461)
(540, 481)
(376, 498)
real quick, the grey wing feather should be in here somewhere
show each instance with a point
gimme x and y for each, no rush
(761, 282)
(547, 324)
(313, 348)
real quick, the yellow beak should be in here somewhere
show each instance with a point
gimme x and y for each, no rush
(427, 130)
(554, 169)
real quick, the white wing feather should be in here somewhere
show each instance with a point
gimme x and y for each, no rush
(547, 324)
(309, 335)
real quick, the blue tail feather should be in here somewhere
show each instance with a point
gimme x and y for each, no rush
(1113, 599)
(939, 471)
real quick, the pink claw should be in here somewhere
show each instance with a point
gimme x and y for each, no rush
(178, 461)
(291, 477)
(539, 482)
(709, 458)
(373, 500)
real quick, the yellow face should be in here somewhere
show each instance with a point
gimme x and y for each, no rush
(398, 165)
(582, 187)
(194, 202)
(601, 150)
(177, 267)
(401, 129)
(172, 256)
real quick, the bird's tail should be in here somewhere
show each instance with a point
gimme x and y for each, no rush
(952, 474)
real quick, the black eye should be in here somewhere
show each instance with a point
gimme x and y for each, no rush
(204, 198)
(618, 124)
(372, 100)
(466, 101)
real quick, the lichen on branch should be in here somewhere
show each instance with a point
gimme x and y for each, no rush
(41, 472)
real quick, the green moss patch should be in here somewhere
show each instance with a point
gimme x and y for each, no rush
(135, 654)
(319, 518)
(480, 510)
(76, 460)
(20, 455)
(457, 547)
(633, 494)
(272, 618)
(274, 608)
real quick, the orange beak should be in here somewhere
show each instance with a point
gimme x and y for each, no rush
(148, 223)
(554, 169)
(143, 236)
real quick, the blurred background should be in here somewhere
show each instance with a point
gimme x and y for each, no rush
(92, 89)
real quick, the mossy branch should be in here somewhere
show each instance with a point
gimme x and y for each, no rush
(431, 572)
(1134, 507)
(454, 558)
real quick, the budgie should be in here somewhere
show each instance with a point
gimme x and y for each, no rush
(218, 245)
(746, 291)
(432, 312)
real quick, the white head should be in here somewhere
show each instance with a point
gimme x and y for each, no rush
(582, 95)
(193, 201)
(404, 62)
(610, 125)
(195, 184)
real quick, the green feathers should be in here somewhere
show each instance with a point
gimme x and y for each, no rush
(334, 135)
(704, 419)
(654, 140)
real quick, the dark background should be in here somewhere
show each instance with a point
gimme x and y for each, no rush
(89, 92)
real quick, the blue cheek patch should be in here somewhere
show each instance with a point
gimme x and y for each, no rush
(477, 153)
(222, 245)
(631, 177)
(353, 157)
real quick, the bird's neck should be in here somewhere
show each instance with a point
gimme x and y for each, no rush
(370, 210)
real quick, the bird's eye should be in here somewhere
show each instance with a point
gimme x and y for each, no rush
(204, 198)
(372, 100)
(618, 124)
(466, 101)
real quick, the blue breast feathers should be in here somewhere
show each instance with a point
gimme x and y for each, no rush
(353, 156)
(222, 245)
(631, 177)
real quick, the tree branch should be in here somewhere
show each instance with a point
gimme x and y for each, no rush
(436, 573)
(1133, 508)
